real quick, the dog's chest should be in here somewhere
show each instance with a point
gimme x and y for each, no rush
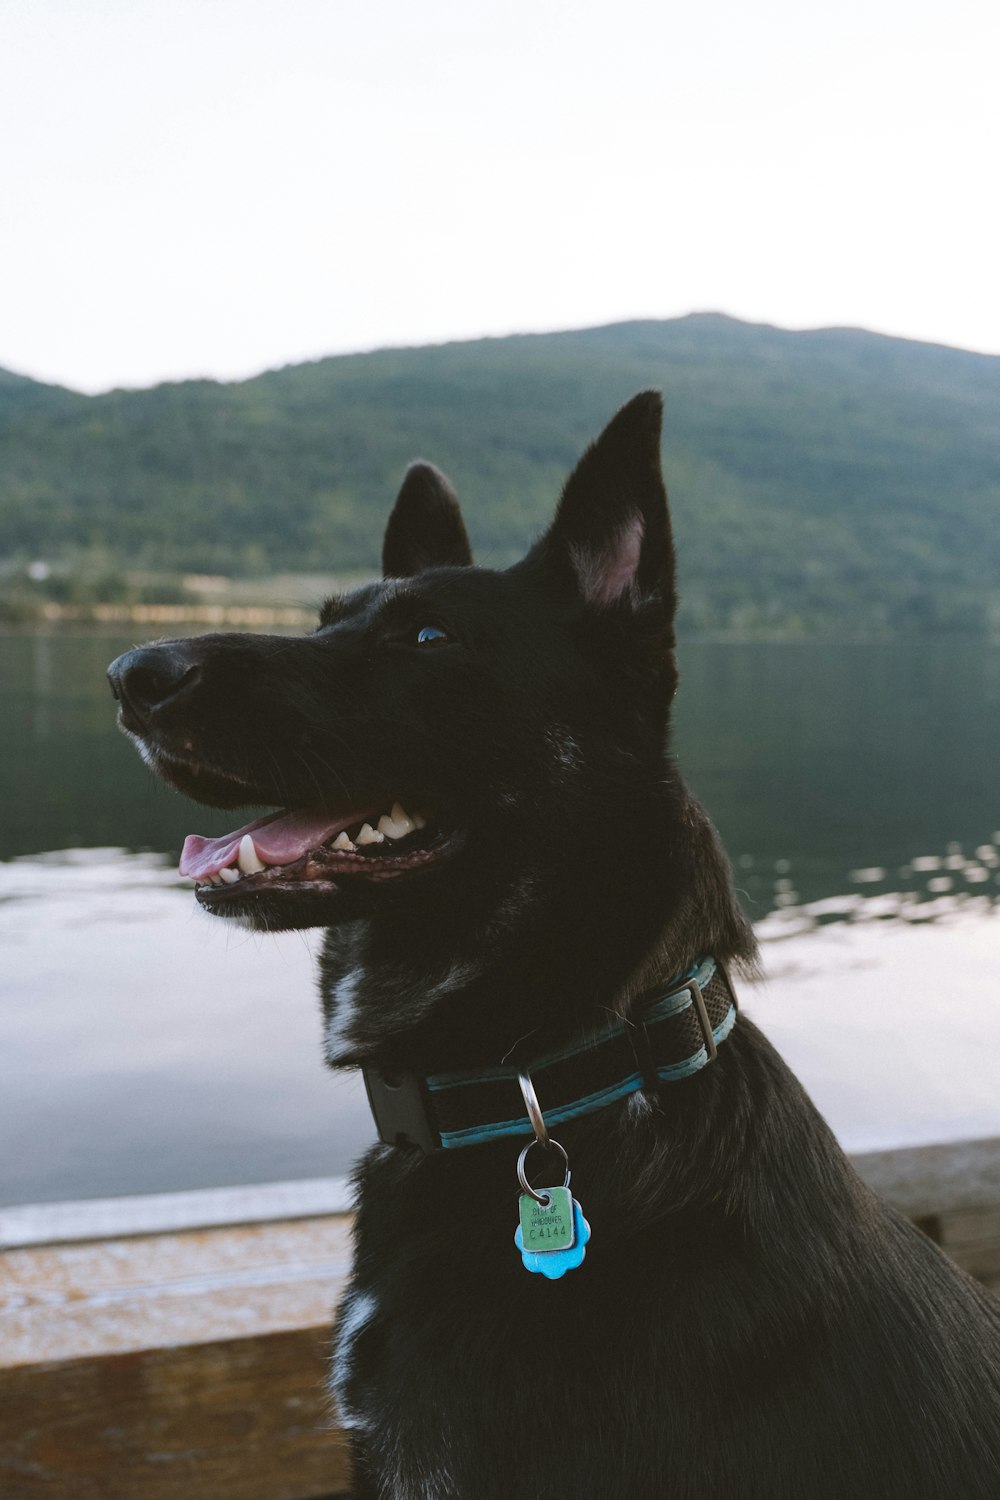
(463, 1374)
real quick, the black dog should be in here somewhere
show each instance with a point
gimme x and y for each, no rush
(515, 880)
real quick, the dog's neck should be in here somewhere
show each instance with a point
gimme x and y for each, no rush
(428, 990)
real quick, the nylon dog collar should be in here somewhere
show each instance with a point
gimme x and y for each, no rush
(671, 1037)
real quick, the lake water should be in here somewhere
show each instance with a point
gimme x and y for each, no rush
(145, 1048)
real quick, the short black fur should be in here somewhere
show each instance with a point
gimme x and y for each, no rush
(750, 1320)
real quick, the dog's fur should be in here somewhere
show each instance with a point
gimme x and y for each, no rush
(751, 1323)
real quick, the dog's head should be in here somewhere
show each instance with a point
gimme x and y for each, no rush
(443, 711)
(451, 743)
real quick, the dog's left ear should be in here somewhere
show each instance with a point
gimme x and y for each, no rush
(611, 534)
(425, 529)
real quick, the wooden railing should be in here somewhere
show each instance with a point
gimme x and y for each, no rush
(175, 1347)
(172, 1346)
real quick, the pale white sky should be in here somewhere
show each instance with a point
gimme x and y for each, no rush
(216, 186)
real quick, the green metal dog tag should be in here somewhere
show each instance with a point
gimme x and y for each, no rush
(552, 1234)
(547, 1226)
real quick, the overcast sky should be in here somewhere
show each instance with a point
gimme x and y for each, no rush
(203, 187)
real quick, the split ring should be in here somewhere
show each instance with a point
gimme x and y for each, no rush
(522, 1179)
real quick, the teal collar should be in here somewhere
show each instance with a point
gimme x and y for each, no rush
(667, 1039)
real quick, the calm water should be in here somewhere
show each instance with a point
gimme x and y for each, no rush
(144, 1048)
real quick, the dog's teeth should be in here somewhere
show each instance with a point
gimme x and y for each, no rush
(343, 842)
(396, 824)
(369, 836)
(230, 874)
(402, 819)
(249, 860)
(419, 820)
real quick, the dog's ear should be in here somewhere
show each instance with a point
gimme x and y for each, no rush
(611, 534)
(425, 529)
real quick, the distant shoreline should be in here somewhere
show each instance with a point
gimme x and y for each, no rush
(172, 614)
(109, 617)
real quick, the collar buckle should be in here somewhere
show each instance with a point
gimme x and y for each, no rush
(399, 1107)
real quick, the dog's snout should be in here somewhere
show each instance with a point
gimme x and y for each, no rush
(149, 677)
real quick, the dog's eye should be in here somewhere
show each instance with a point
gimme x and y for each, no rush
(431, 635)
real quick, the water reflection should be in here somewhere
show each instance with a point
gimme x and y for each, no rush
(146, 1048)
(930, 887)
(43, 686)
(823, 759)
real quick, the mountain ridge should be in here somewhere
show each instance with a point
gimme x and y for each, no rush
(702, 316)
(820, 479)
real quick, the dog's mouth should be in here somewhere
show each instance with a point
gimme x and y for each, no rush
(316, 849)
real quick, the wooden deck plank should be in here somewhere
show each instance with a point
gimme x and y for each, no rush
(946, 1178)
(243, 1419)
(189, 1366)
(168, 1213)
(115, 1296)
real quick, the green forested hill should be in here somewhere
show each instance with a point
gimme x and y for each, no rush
(837, 480)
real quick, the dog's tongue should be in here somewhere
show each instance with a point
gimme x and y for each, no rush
(279, 839)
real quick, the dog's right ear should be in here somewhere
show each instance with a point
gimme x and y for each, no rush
(425, 529)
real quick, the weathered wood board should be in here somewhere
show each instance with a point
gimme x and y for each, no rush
(180, 1365)
(952, 1191)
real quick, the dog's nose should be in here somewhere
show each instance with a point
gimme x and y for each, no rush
(149, 677)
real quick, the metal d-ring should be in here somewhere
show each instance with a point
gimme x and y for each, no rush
(533, 1107)
(541, 1197)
